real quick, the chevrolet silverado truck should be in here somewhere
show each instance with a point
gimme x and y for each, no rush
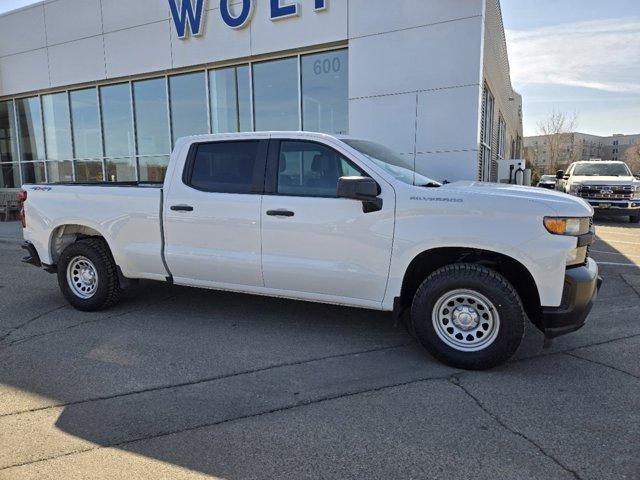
(609, 187)
(324, 219)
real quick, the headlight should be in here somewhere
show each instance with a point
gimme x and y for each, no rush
(574, 188)
(636, 193)
(567, 226)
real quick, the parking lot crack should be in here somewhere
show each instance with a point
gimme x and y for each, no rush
(28, 322)
(455, 380)
(206, 380)
(632, 286)
(602, 364)
(28, 338)
(285, 408)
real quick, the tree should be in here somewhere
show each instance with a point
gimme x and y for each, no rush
(560, 145)
(632, 157)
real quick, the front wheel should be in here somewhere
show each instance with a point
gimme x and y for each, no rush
(634, 218)
(468, 316)
(88, 276)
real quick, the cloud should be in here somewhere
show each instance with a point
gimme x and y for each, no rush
(601, 54)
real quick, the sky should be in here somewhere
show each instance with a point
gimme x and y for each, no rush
(576, 56)
(581, 57)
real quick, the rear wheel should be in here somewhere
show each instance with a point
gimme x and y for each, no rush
(634, 218)
(468, 316)
(88, 276)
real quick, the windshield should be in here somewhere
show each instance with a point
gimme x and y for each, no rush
(548, 178)
(602, 170)
(391, 162)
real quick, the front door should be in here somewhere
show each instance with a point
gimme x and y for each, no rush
(212, 215)
(314, 242)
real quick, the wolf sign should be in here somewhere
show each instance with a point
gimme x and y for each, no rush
(188, 17)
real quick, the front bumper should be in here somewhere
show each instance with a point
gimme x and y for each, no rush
(581, 285)
(615, 207)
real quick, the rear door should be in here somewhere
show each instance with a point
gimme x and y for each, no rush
(212, 214)
(314, 242)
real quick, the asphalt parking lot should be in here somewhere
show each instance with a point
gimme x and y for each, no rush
(179, 383)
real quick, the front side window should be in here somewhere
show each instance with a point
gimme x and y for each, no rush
(391, 162)
(224, 167)
(310, 169)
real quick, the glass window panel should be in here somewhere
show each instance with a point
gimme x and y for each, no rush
(188, 105)
(8, 148)
(89, 171)
(33, 172)
(85, 117)
(152, 123)
(30, 127)
(121, 170)
(325, 90)
(311, 169)
(60, 171)
(230, 99)
(153, 169)
(117, 122)
(225, 167)
(57, 126)
(275, 91)
(9, 175)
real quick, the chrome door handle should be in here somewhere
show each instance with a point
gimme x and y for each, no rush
(280, 213)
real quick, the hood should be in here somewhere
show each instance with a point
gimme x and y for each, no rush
(547, 202)
(605, 180)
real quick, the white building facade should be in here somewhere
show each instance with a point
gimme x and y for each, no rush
(99, 90)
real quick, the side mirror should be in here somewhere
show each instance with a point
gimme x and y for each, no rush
(364, 189)
(560, 174)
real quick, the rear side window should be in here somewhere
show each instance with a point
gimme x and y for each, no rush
(224, 167)
(312, 170)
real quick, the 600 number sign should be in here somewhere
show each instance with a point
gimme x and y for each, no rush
(327, 66)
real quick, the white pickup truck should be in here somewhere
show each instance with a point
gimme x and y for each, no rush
(609, 187)
(336, 220)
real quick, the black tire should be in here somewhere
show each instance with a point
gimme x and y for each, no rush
(107, 292)
(507, 330)
(634, 218)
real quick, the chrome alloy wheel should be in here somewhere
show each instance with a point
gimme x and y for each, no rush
(465, 320)
(82, 277)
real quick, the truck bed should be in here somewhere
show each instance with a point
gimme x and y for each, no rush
(126, 214)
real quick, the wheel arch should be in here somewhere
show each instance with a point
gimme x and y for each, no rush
(513, 270)
(65, 234)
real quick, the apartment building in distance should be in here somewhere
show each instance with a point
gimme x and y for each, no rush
(541, 150)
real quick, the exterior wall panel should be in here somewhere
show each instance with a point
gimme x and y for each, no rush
(76, 62)
(370, 17)
(22, 31)
(138, 50)
(62, 23)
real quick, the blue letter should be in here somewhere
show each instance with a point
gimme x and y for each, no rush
(320, 5)
(278, 12)
(241, 20)
(186, 14)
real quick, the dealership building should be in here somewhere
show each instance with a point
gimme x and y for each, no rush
(99, 90)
